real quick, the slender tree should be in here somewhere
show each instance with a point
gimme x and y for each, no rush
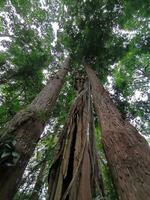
(25, 130)
(127, 152)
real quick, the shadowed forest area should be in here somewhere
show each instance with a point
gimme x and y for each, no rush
(74, 100)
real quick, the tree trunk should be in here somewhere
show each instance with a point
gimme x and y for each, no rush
(39, 182)
(64, 179)
(25, 129)
(72, 173)
(127, 152)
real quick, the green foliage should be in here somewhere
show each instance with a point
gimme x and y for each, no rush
(2, 3)
(132, 74)
(21, 196)
(39, 15)
(65, 101)
(1, 25)
(22, 6)
(133, 6)
(27, 57)
(109, 188)
(2, 59)
(88, 31)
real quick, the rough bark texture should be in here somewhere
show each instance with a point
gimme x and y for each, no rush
(127, 152)
(26, 128)
(73, 171)
(65, 180)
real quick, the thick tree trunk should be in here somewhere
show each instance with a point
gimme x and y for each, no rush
(127, 152)
(66, 174)
(39, 182)
(73, 171)
(26, 128)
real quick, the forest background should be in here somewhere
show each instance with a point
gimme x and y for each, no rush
(36, 36)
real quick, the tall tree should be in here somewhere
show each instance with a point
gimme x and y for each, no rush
(113, 36)
(23, 132)
(74, 173)
(127, 152)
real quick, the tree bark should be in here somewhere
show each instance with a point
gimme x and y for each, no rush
(72, 174)
(26, 128)
(127, 152)
(70, 171)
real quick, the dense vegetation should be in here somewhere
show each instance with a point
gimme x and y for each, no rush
(110, 36)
